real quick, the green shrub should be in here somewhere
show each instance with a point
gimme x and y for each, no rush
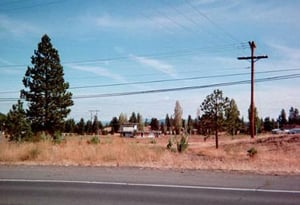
(32, 154)
(58, 138)
(170, 144)
(252, 152)
(182, 144)
(94, 140)
(152, 141)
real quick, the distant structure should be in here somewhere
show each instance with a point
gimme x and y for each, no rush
(128, 129)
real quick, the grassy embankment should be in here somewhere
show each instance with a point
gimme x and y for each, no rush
(275, 154)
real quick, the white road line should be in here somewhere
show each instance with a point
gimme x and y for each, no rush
(154, 185)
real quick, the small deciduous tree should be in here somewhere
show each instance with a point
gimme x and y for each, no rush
(122, 118)
(177, 117)
(232, 118)
(214, 107)
(17, 125)
(140, 122)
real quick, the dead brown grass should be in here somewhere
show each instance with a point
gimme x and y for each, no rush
(276, 154)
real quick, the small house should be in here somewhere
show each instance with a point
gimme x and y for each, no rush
(128, 129)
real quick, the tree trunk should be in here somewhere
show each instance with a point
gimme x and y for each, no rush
(217, 140)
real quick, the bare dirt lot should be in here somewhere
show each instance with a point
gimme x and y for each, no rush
(276, 154)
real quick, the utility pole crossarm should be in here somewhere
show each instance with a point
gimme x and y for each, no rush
(254, 57)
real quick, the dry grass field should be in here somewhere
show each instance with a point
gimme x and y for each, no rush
(276, 154)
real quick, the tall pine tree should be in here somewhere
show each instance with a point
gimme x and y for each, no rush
(46, 90)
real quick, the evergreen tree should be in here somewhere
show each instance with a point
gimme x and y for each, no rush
(214, 107)
(133, 118)
(115, 125)
(232, 118)
(17, 125)
(154, 124)
(89, 127)
(70, 126)
(45, 89)
(282, 119)
(190, 124)
(2, 122)
(80, 127)
(162, 127)
(96, 126)
(177, 117)
(168, 123)
(268, 124)
(294, 117)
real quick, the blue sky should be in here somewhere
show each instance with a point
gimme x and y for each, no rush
(111, 42)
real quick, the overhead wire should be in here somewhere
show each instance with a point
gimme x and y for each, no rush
(223, 84)
(196, 9)
(284, 77)
(181, 79)
(170, 54)
(171, 80)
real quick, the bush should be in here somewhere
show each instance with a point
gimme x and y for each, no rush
(94, 140)
(58, 137)
(181, 145)
(170, 144)
(252, 152)
(32, 154)
(152, 141)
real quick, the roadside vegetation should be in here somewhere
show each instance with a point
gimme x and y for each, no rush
(265, 154)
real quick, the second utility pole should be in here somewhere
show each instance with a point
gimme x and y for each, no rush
(253, 59)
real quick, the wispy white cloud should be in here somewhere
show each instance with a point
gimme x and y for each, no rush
(283, 55)
(155, 64)
(16, 27)
(99, 71)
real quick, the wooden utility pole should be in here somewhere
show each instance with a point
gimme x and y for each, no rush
(253, 60)
(96, 113)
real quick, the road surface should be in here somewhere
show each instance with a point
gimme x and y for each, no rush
(81, 185)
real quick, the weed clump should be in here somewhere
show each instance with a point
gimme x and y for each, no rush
(94, 140)
(181, 144)
(252, 152)
(32, 154)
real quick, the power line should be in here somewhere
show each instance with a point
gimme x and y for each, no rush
(170, 80)
(224, 84)
(178, 79)
(283, 77)
(178, 53)
(212, 22)
(31, 6)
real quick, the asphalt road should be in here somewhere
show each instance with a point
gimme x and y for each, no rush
(78, 185)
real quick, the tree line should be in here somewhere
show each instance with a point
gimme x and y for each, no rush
(49, 101)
